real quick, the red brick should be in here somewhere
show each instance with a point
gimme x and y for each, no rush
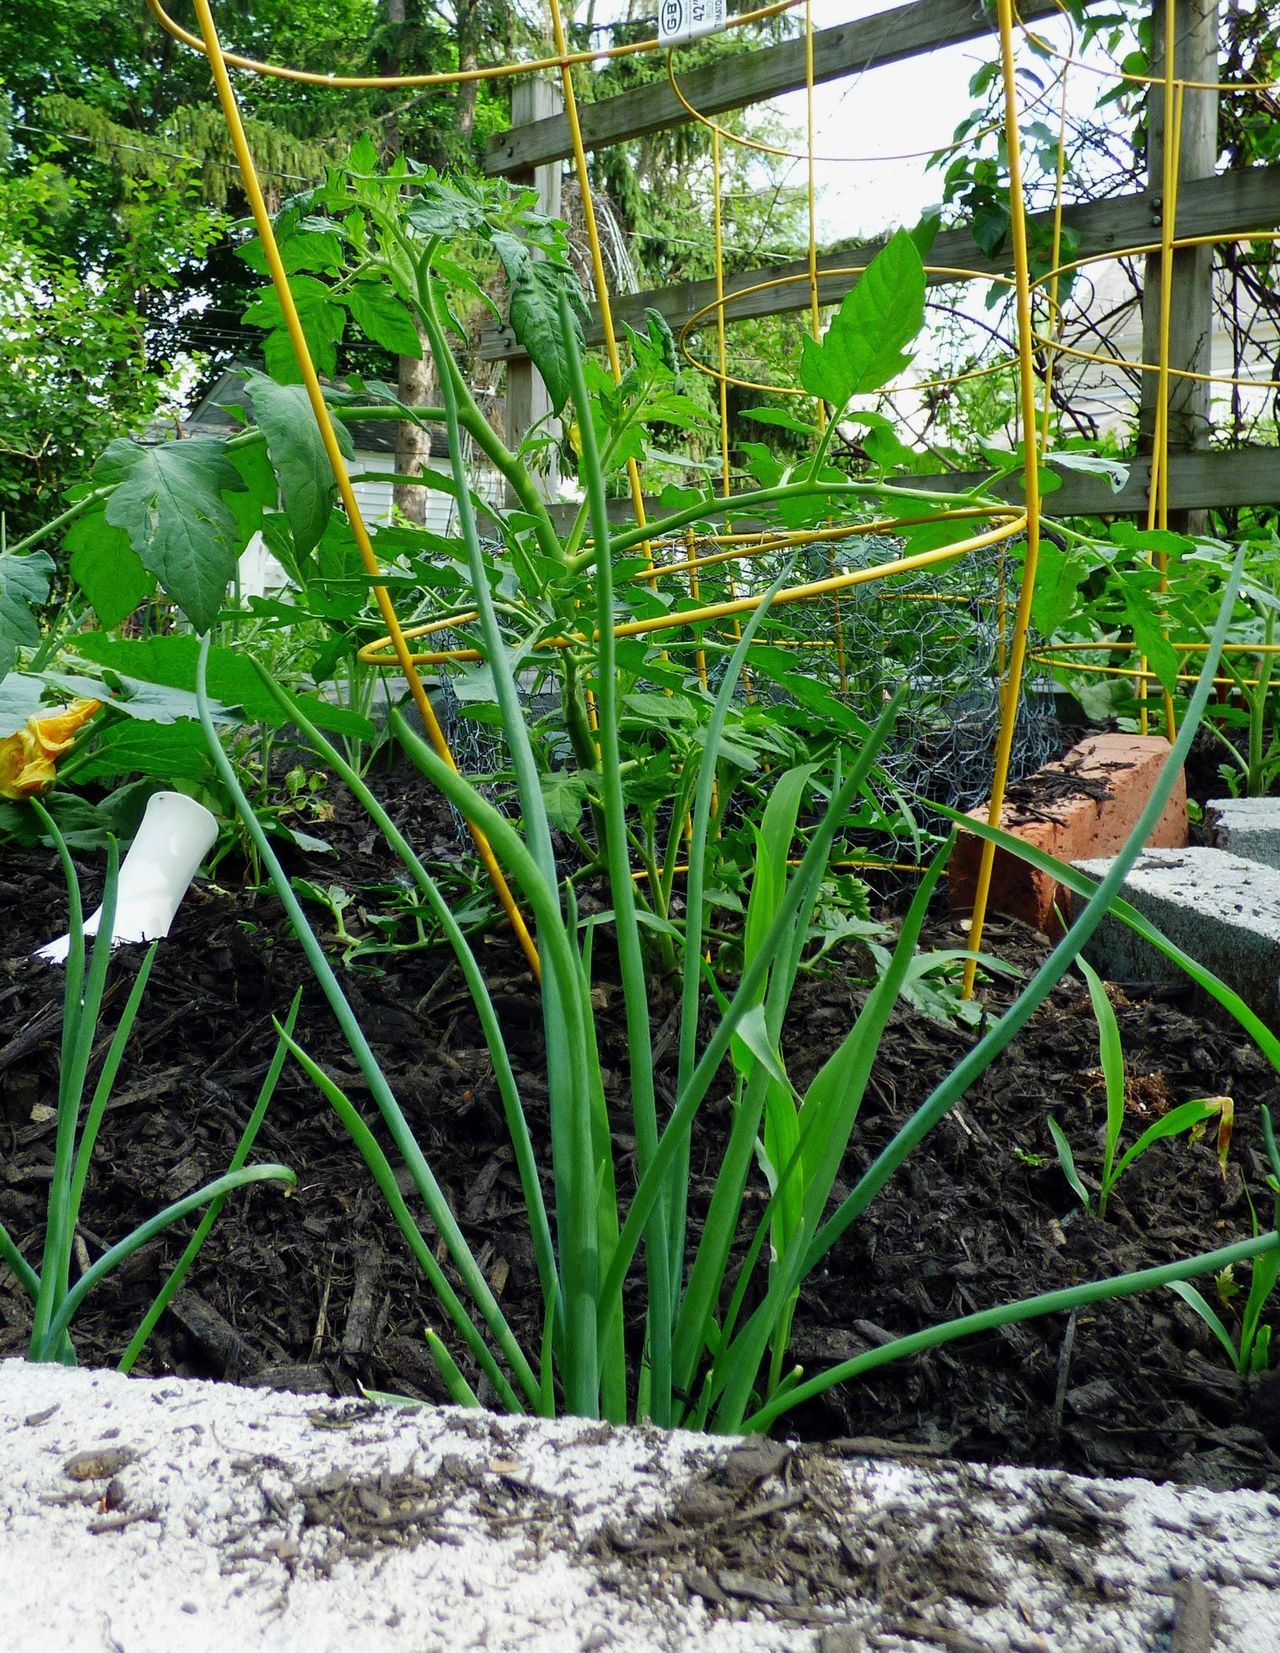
(1089, 827)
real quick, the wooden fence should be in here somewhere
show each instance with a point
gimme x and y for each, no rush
(1230, 204)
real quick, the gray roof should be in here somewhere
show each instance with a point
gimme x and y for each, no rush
(210, 416)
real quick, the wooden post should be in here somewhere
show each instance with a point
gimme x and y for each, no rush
(1195, 57)
(534, 98)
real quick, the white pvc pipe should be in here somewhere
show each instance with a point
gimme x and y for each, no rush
(175, 835)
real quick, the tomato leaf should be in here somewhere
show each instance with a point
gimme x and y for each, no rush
(780, 417)
(380, 315)
(307, 487)
(1092, 464)
(866, 343)
(535, 321)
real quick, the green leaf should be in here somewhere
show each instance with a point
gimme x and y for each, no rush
(168, 499)
(293, 440)
(925, 232)
(866, 343)
(1111, 1055)
(171, 751)
(513, 254)
(364, 155)
(535, 321)
(989, 224)
(1089, 464)
(1059, 576)
(261, 489)
(24, 585)
(105, 567)
(1183, 1118)
(563, 792)
(170, 663)
(133, 697)
(322, 325)
(305, 249)
(1193, 1299)
(20, 698)
(752, 1037)
(780, 417)
(1255, 1339)
(1136, 538)
(1066, 1159)
(458, 279)
(1150, 632)
(442, 210)
(380, 315)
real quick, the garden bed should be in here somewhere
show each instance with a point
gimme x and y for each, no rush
(318, 1292)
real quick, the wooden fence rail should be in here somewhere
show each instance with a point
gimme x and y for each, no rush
(905, 31)
(1232, 204)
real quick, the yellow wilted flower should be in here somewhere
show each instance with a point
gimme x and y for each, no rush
(27, 759)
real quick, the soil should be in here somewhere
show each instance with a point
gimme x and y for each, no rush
(318, 1293)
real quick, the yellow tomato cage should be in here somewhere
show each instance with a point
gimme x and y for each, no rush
(993, 525)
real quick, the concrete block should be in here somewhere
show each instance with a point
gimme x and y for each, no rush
(1221, 909)
(1070, 826)
(1245, 826)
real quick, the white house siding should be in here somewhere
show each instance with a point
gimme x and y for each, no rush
(1110, 393)
(260, 572)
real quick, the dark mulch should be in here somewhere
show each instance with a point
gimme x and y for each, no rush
(318, 1291)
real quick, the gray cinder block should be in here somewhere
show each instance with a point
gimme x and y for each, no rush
(1220, 908)
(1246, 826)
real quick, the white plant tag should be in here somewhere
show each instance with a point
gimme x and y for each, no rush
(687, 19)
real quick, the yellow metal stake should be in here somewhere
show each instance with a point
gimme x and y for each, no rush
(315, 395)
(1031, 477)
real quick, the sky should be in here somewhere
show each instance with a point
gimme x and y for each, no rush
(863, 122)
(891, 110)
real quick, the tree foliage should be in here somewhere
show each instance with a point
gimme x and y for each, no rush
(119, 193)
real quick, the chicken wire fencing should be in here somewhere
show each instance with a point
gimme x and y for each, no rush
(940, 633)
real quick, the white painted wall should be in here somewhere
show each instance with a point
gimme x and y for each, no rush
(261, 573)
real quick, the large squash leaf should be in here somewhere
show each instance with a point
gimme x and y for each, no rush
(20, 698)
(24, 585)
(168, 499)
(168, 751)
(106, 568)
(169, 663)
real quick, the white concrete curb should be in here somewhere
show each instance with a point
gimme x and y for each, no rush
(174, 1515)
